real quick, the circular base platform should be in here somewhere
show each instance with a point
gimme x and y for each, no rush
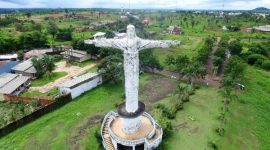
(124, 114)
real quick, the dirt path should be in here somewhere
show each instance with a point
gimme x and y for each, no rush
(210, 79)
(71, 72)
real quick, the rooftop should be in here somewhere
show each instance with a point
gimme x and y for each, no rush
(78, 80)
(25, 66)
(10, 82)
(265, 28)
(75, 53)
(99, 34)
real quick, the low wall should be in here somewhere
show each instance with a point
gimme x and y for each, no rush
(57, 103)
(43, 100)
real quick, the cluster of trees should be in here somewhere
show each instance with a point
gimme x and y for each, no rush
(190, 68)
(220, 55)
(28, 26)
(111, 65)
(27, 40)
(205, 50)
(43, 65)
(258, 55)
(255, 54)
(60, 34)
(7, 20)
(233, 28)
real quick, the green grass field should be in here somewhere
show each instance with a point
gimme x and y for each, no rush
(48, 78)
(55, 130)
(248, 125)
(195, 125)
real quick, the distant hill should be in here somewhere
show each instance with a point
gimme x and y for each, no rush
(261, 9)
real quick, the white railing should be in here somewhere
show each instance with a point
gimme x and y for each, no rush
(108, 115)
(112, 115)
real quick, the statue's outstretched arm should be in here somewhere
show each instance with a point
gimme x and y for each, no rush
(115, 43)
(144, 44)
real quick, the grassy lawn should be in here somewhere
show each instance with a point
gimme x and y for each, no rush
(194, 126)
(55, 130)
(248, 124)
(47, 79)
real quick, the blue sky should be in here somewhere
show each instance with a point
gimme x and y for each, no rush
(183, 4)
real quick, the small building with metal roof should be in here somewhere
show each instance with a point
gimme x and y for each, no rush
(76, 55)
(12, 84)
(25, 68)
(78, 85)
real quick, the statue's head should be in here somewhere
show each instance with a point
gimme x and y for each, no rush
(131, 31)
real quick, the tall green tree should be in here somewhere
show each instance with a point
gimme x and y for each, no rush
(111, 68)
(39, 66)
(235, 47)
(147, 59)
(52, 29)
(234, 71)
(49, 63)
(20, 55)
(195, 70)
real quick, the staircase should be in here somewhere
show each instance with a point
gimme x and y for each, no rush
(106, 136)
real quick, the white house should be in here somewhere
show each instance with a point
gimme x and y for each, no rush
(81, 84)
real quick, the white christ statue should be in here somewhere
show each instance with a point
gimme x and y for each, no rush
(131, 45)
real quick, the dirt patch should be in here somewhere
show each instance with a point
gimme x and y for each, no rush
(156, 88)
(82, 130)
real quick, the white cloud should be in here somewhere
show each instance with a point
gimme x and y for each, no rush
(184, 4)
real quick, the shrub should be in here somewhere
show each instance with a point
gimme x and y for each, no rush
(220, 131)
(213, 145)
(34, 103)
(266, 65)
(166, 125)
(256, 59)
(166, 112)
(98, 137)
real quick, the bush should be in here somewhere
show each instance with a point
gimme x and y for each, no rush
(166, 125)
(98, 137)
(266, 65)
(220, 131)
(213, 145)
(256, 59)
(166, 112)
(34, 103)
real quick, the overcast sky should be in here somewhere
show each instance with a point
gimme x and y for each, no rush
(134, 4)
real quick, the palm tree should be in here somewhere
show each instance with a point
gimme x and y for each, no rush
(194, 70)
(183, 95)
(49, 63)
(38, 65)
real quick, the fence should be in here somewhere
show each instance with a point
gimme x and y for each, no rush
(59, 102)
(43, 100)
